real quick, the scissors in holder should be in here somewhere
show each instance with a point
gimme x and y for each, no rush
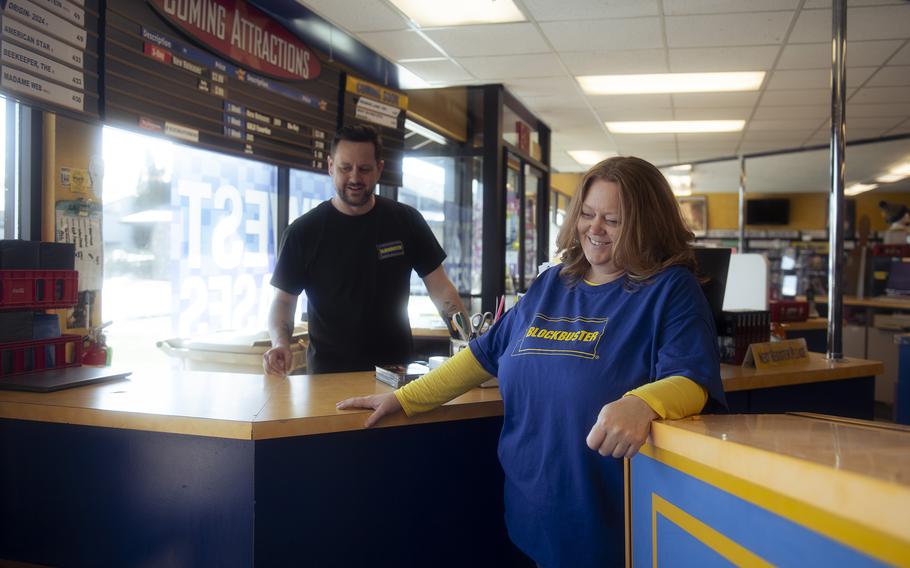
(461, 326)
(480, 323)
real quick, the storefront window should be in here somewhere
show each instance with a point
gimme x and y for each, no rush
(189, 243)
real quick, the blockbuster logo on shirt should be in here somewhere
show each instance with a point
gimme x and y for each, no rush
(575, 337)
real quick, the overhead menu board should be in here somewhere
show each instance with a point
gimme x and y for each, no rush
(384, 109)
(49, 54)
(222, 75)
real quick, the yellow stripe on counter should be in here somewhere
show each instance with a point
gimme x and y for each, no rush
(716, 541)
(811, 495)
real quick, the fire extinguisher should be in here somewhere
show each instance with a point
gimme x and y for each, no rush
(95, 351)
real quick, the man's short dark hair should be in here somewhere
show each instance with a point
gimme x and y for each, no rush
(358, 133)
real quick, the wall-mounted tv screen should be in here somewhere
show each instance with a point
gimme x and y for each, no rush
(767, 211)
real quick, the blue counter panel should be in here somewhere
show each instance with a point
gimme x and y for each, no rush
(731, 527)
(84, 496)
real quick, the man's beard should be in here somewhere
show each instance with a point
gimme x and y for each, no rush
(348, 198)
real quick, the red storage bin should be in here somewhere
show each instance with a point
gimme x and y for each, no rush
(789, 310)
(38, 289)
(40, 354)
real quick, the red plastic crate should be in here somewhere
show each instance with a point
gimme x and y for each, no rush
(40, 354)
(789, 310)
(38, 289)
(895, 250)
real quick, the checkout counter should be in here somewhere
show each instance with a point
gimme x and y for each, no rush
(770, 490)
(199, 468)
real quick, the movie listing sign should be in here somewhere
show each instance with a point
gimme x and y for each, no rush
(47, 54)
(246, 84)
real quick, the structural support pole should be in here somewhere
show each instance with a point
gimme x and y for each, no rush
(742, 205)
(836, 196)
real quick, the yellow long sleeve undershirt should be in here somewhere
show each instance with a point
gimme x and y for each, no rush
(673, 397)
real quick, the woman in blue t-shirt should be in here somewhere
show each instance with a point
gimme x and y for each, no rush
(617, 335)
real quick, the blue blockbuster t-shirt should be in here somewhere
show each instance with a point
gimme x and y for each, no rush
(561, 354)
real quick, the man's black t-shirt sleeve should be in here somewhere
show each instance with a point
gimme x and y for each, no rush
(428, 254)
(290, 269)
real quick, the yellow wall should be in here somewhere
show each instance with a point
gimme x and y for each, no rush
(807, 210)
(565, 183)
(445, 110)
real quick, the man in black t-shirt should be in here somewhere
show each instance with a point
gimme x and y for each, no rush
(353, 255)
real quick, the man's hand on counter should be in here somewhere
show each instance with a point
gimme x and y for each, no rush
(277, 360)
(381, 404)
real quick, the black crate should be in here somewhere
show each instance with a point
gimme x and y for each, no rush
(57, 256)
(16, 326)
(740, 328)
(19, 255)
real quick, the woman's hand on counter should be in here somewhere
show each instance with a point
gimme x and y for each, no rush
(622, 427)
(381, 404)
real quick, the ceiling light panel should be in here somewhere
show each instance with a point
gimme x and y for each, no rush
(671, 83)
(589, 157)
(858, 188)
(441, 13)
(654, 127)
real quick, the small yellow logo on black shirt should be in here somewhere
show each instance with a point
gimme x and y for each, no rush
(390, 249)
(575, 336)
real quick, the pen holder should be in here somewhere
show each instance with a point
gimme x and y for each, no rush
(456, 345)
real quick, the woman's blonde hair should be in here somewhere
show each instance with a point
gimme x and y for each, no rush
(652, 233)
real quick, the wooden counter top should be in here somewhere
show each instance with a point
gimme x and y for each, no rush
(809, 324)
(886, 302)
(852, 469)
(252, 407)
(817, 369)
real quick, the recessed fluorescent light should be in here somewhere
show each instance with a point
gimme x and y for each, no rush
(858, 188)
(589, 157)
(890, 178)
(682, 168)
(665, 126)
(671, 83)
(408, 80)
(424, 131)
(679, 192)
(459, 12)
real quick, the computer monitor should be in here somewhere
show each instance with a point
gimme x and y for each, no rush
(713, 264)
(898, 283)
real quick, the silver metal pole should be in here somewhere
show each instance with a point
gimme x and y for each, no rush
(742, 205)
(836, 196)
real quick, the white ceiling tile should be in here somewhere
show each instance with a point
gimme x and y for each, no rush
(872, 123)
(493, 39)
(712, 113)
(815, 78)
(358, 15)
(604, 35)
(703, 59)
(715, 100)
(443, 71)
(630, 102)
(706, 139)
(860, 134)
(636, 140)
(399, 45)
(764, 112)
(879, 22)
(891, 76)
(549, 86)
(785, 138)
(796, 97)
(551, 102)
(624, 114)
(764, 28)
(881, 109)
(689, 7)
(818, 55)
(607, 62)
(901, 128)
(766, 146)
(850, 3)
(793, 125)
(566, 118)
(870, 95)
(496, 68)
(693, 155)
(548, 10)
(902, 57)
